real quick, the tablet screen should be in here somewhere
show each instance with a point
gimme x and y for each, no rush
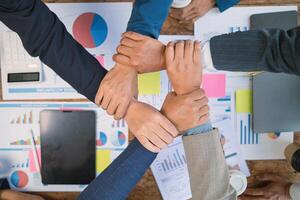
(68, 146)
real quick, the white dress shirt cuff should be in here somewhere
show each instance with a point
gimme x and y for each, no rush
(207, 62)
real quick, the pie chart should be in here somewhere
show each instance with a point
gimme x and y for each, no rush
(118, 138)
(274, 136)
(19, 179)
(90, 30)
(102, 139)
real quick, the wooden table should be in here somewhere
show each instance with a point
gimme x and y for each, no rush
(147, 189)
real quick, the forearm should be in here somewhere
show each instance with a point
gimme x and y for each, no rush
(207, 166)
(116, 181)
(272, 50)
(148, 16)
(44, 35)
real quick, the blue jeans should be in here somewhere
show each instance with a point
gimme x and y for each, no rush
(116, 181)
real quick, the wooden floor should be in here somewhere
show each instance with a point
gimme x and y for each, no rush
(147, 189)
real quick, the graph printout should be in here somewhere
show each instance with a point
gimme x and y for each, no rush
(17, 119)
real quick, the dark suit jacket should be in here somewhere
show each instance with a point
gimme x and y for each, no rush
(272, 50)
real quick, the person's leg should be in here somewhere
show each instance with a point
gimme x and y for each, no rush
(116, 181)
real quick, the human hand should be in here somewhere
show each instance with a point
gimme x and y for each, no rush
(143, 53)
(184, 66)
(186, 111)
(153, 130)
(193, 11)
(116, 90)
(276, 188)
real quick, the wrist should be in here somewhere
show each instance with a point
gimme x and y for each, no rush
(186, 91)
(125, 68)
(131, 108)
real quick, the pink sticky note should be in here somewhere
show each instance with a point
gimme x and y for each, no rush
(100, 59)
(214, 85)
(32, 166)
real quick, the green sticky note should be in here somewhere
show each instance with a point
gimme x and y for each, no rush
(103, 160)
(149, 83)
(243, 101)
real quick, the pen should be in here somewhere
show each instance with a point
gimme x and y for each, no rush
(35, 154)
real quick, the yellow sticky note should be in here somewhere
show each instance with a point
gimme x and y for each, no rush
(243, 101)
(103, 160)
(149, 83)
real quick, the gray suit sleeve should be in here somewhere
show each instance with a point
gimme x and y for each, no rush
(207, 167)
(272, 50)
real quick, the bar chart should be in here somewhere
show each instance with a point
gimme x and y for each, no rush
(172, 162)
(26, 118)
(247, 136)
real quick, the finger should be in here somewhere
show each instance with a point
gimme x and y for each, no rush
(197, 52)
(147, 144)
(255, 191)
(179, 50)
(163, 134)
(121, 59)
(105, 102)
(253, 198)
(169, 52)
(99, 96)
(168, 126)
(188, 50)
(204, 110)
(134, 36)
(201, 102)
(126, 51)
(128, 42)
(203, 119)
(197, 94)
(121, 110)
(154, 138)
(112, 107)
(269, 177)
(192, 16)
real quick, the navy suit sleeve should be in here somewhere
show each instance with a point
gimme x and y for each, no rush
(225, 4)
(116, 181)
(44, 35)
(148, 16)
(272, 50)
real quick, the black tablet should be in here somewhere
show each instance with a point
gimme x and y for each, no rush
(68, 150)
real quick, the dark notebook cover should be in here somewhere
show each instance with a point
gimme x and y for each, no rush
(276, 97)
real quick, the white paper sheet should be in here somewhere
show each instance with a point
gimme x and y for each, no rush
(171, 172)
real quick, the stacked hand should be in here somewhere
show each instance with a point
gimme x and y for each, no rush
(117, 89)
(143, 53)
(183, 109)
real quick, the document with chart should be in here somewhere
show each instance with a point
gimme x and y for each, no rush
(18, 119)
(92, 24)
